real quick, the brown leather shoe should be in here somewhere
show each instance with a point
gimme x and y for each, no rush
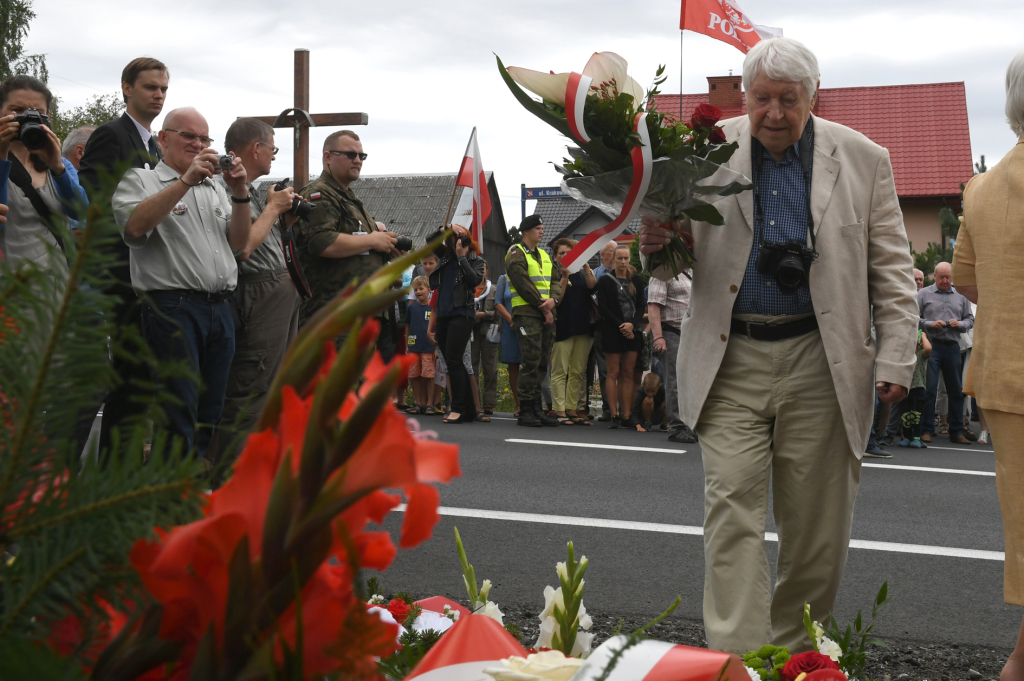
(959, 439)
(926, 437)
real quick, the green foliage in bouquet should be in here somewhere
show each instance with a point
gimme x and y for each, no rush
(68, 520)
(768, 661)
(853, 640)
(414, 646)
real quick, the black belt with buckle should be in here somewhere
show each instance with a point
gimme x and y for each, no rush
(214, 297)
(774, 332)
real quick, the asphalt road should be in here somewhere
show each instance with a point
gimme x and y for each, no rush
(636, 515)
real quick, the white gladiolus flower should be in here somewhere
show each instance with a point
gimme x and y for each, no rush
(754, 676)
(432, 620)
(827, 646)
(563, 572)
(490, 609)
(549, 625)
(485, 589)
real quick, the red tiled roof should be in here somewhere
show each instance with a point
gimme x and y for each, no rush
(924, 127)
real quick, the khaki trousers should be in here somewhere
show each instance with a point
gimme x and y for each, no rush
(568, 372)
(1008, 438)
(772, 415)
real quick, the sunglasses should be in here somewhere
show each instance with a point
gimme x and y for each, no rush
(350, 154)
(191, 137)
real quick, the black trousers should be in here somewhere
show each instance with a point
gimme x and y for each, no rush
(130, 398)
(452, 335)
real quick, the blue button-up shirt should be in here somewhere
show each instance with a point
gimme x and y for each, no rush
(784, 202)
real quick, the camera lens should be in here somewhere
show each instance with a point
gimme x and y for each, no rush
(33, 136)
(300, 208)
(404, 243)
(790, 274)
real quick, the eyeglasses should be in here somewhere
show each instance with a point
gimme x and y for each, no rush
(350, 154)
(191, 137)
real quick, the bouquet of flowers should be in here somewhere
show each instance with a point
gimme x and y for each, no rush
(628, 159)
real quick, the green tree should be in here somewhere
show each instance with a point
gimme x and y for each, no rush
(96, 111)
(514, 236)
(949, 223)
(634, 258)
(927, 261)
(15, 16)
(980, 167)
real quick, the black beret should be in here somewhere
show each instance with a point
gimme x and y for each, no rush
(530, 222)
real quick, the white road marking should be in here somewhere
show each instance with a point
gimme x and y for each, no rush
(926, 469)
(594, 445)
(693, 530)
(963, 449)
(591, 445)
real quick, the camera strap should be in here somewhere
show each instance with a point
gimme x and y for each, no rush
(757, 152)
(291, 261)
(23, 181)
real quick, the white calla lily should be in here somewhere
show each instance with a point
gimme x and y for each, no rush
(603, 67)
(607, 66)
(550, 86)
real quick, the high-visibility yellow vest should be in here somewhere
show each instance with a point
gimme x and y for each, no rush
(540, 275)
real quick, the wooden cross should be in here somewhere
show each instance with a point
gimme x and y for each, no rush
(300, 120)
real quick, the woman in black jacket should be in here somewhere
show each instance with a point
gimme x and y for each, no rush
(620, 303)
(459, 271)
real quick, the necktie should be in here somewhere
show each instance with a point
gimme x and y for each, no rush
(154, 150)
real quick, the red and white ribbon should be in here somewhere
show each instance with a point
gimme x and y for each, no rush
(575, 98)
(660, 661)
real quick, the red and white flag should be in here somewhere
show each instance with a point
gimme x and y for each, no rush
(724, 20)
(471, 175)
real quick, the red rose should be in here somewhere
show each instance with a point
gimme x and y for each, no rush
(806, 663)
(705, 116)
(717, 136)
(826, 675)
(399, 609)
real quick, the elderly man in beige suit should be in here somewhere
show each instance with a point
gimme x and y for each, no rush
(781, 380)
(988, 269)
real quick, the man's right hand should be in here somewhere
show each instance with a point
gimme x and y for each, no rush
(547, 305)
(660, 345)
(655, 236)
(383, 242)
(938, 324)
(202, 167)
(549, 318)
(280, 201)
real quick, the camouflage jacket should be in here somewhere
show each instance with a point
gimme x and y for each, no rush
(337, 211)
(518, 272)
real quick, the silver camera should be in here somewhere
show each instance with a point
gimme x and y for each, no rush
(225, 161)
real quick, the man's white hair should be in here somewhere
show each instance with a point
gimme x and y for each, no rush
(782, 59)
(76, 137)
(1015, 94)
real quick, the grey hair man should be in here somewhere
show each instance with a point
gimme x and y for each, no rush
(825, 186)
(73, 148)
(266, 302)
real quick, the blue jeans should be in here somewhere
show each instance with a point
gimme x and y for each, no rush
(200, 335)
(945, 357)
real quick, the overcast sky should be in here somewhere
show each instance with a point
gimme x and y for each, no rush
(425, 71)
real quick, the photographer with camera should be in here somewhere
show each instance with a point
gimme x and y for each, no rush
(776, 348)
(339, 241)
(184, 232)
(42, 196)
(265, 307)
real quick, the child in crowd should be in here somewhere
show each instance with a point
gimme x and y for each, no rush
(649, 404)
(436, 404)
(421, 373)
(916, 397)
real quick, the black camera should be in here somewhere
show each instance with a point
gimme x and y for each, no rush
(300, 208)
(30, 133)
(404, 243)
(225, 161)
(789, 263)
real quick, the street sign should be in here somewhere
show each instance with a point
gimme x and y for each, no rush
(531, 193)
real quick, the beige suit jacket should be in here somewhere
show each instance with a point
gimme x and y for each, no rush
(864, 263)
(989, 254)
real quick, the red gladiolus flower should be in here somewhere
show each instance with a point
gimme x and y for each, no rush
(806, 663)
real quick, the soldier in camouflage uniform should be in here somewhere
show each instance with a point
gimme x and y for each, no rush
(338, 242)
(536, 288)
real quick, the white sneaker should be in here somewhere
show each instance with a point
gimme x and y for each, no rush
(983, 438)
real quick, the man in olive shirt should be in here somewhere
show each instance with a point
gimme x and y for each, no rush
(338, 242)
(182, 232)
(265, 307)
(537, 286)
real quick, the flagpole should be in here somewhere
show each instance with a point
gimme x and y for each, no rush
(681, 69)
(448, 214)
